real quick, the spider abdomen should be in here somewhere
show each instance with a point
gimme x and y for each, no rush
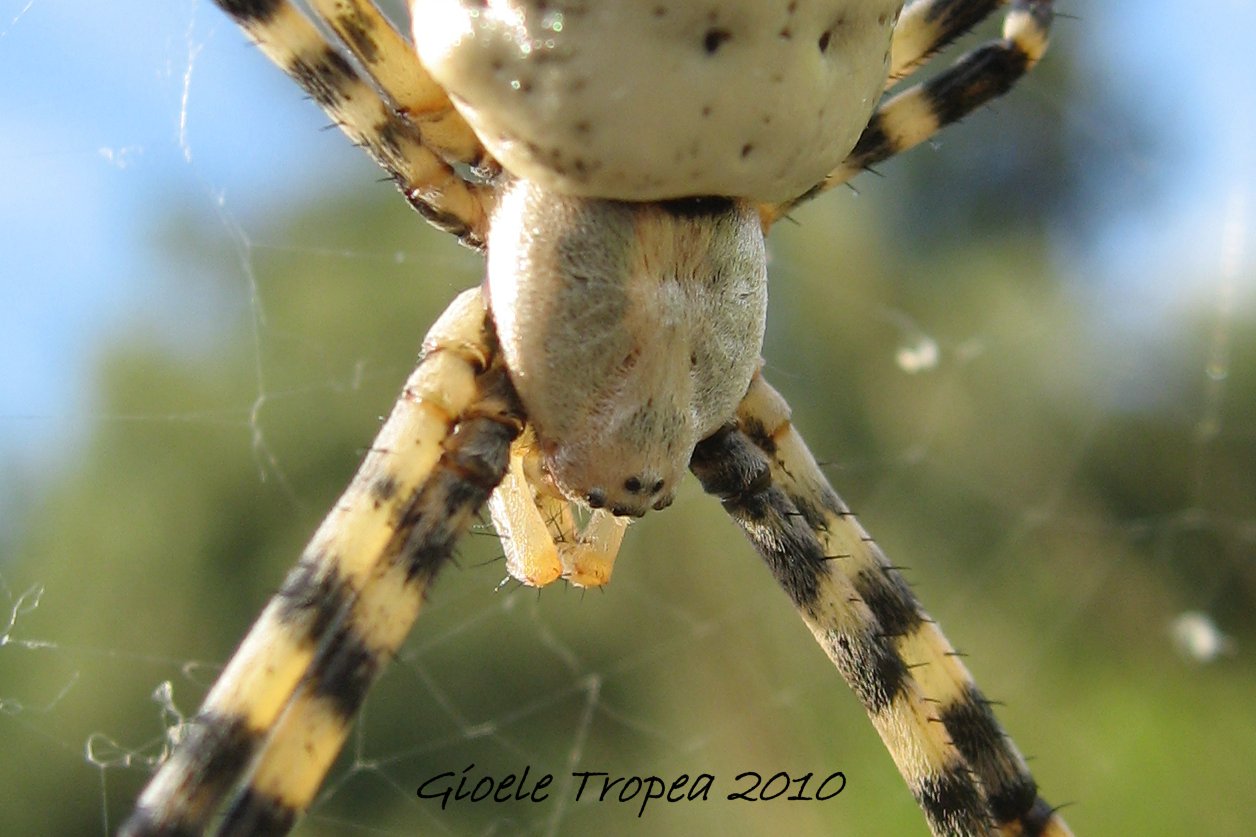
(655, 99)
(631, 331)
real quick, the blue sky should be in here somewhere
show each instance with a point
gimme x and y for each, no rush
(102, 136)
(113, 115)
(1190, 75)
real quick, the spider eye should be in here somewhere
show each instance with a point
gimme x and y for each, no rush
(596, 498)
(657, 487)
(632, 485)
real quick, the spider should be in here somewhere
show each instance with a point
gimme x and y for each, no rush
(620, 163)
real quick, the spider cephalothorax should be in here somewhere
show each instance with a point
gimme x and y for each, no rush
(631, 331)
(620, 161)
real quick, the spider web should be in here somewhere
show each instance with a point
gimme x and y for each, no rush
(1027, 353)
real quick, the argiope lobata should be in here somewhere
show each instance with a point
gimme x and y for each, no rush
(615, 341)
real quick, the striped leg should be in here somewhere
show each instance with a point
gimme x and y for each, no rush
(927, 26)
(962, 768)
(919, 112)
(412, 156)
(394, 66)
(331, 625)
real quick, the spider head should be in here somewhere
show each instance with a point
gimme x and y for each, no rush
(634, 490)
(631, 331)
(639, 460)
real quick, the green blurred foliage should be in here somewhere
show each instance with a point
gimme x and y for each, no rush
(1052, 528)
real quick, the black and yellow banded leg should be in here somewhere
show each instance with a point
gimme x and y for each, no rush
(414, 159)
(912, 116)
(927, 26)
(328, 630)
(963, 769)
(299, 751)
(962, 708)
(394, 66)
(731, 467)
